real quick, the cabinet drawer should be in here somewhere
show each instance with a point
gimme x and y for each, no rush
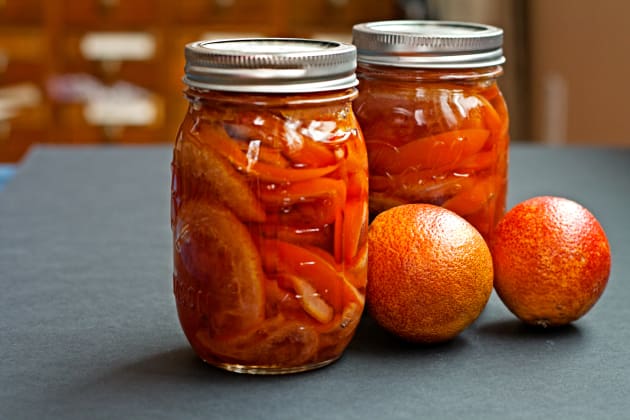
(15, 71)
(23, 121)
(31, 118)
(110, 56)
(337, 15)
(223, 11)
(110, 13)
(21, 12)
(22, 44)
(101, 123)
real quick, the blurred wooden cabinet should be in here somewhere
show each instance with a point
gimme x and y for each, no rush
(109, 71)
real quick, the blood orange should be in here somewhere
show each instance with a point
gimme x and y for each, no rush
(429, 272)
(551, 259)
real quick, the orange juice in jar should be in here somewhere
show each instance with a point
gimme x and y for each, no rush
(433, 116)
(269, 204)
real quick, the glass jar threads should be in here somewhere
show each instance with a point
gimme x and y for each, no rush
(433, 116)
(269, 204)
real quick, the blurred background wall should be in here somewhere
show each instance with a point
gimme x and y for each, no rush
(109, 71)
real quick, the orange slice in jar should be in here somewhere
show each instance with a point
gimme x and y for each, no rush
(473, 198)
(305, 191)
(217, 251)
(307, 234)
(284, 258)
(427, 152)
(434, 185)
(483, 219)
(354, 227)
(311, 302)
(230, 149)
(358, 184)
(351, 284)
(316, 202)
(304, 150)
(425, 187)
(275, 342)
(380, 154)
(335, 336)
(482, 161)
(226, 185)
(265, 154)
(285, 134)
(280, 300)
(356, 271)
(381, 201)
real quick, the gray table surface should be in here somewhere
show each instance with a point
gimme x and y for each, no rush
(88, 327)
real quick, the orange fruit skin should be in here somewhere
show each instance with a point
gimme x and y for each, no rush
(429, 272)
(551, 259)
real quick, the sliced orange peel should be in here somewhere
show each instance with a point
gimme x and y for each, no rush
(310, 300)
(217, 251)
(228, 147)
(275, 342)
(223, 180)
(281, 133)
(427, 152)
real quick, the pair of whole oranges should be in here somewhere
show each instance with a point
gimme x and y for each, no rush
(431, 273)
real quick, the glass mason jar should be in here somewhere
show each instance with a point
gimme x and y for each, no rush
(433, 116)
(269, 204)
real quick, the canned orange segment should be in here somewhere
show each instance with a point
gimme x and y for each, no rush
(306, 191)
(283, 134)
(217, 252)
(310, 299)
(472, 198)
(354, 228)
(226, 146)
(427, 152)
(223, 181)
(277, 341)
(284, 258)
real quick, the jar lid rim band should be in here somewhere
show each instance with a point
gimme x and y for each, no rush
(272, 65)
(428, 43)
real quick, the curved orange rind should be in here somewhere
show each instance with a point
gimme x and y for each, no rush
(225, 183)
(217, 251)
(427, 152)
(230, 149)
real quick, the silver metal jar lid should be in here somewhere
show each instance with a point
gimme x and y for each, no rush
(270, 65)
(428, 44)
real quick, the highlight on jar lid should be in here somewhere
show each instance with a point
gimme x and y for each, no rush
(428, 44)
(270, 65)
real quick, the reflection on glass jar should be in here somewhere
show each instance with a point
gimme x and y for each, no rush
(433, 116)
(269, 205)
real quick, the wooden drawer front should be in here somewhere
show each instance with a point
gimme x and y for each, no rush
(15, 71)
(21, 56)
(223, 11)
(110, 13)
(24, 119)
(30, 118)
(92, 123)
(117, 60)
(22, 44)
(21, 12)
(338, 15)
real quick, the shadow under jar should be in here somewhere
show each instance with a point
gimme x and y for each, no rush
(433, 116)
(269, 204)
